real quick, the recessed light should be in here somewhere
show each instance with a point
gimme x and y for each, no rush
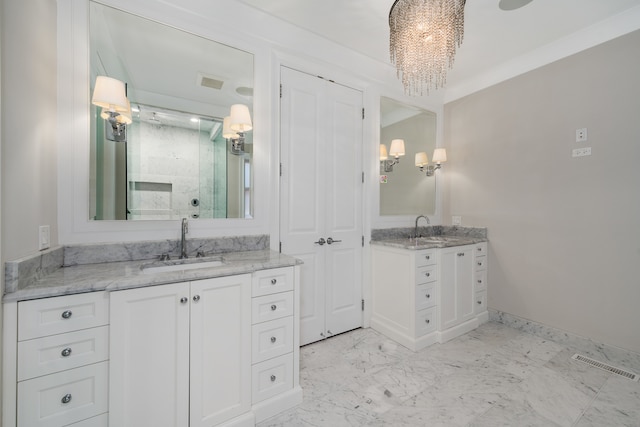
(195, 119)
(244, 91)
(513, 4)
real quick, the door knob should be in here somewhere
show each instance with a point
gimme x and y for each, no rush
(330, 241)
(320, 241)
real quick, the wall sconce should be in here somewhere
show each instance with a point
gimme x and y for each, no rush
(110, 95)
(439, 156)
(239, 123)
(396, 151)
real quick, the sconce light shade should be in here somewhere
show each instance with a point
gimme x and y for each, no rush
(397, 148)
(110, 95)
(439, 155)
(421, 159)
(383, 152)
(227, 133)
(240, 118)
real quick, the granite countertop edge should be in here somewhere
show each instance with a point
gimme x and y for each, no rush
(115, 276)
(424, 242)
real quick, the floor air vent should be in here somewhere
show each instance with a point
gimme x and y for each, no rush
(628, 375)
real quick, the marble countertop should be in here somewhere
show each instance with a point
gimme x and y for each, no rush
(429, 242)
(113, 276)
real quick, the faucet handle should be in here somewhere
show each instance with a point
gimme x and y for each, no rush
(164, 256)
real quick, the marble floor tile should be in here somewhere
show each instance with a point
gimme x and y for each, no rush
(492, 376)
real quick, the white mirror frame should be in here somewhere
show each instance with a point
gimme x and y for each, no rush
(74, 225)
(391, 221)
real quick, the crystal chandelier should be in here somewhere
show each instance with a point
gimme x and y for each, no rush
(424, 35)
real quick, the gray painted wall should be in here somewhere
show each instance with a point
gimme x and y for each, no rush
(564, 234)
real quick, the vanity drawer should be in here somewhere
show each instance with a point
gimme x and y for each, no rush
(480, 249)
(481, 263)
(480, 304)
(270, 307)
(480, 282)
(272, 339)
(99, 421)
(57, 315)
(427, 257)
(272, 377)
(63, 398)
(426, 274)
(425, 296)
(271, 281)
(425, 321)
(43, 356)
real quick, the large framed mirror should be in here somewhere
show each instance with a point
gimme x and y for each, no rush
(406, 191)
(174, 161)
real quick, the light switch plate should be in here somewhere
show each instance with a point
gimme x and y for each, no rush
(44, 237)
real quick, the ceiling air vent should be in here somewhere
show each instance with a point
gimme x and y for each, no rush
(612, 369)
(209, 81)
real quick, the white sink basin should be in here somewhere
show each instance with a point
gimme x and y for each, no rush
(181, 265)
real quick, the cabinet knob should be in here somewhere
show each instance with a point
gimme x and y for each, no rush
(427, 257)
(273, 339)
(66, 314)
(66, 398)
(428, 295)
(480, 302)
(196, 298)
(329, 332)
(274, 281)
(427, 274)
(273, 307)
(273, 378)
(184, 300)
(66, 352)
(427, 321)
(479, 263)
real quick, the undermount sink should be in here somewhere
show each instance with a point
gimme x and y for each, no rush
(182, 264)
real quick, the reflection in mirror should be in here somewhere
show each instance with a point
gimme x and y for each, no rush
(405, 190)
(173, 161)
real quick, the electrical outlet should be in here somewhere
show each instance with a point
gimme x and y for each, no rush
(456, 220)
(44, 237)
(580, 152)
(581, 135)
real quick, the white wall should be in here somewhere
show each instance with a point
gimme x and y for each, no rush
(564, 239)
(29, 85)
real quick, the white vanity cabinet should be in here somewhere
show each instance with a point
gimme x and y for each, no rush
(405, 295)
(61, 361)
(432, 295)
(181, 354)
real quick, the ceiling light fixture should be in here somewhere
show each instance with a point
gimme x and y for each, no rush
(424, 36)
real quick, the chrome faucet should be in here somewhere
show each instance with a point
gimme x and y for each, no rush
(183, 241)
(415, 231)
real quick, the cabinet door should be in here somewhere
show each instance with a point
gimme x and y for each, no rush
(220, 349)
(149, 357)
(456, 286)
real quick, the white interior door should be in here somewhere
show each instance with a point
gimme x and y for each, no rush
(321, 199)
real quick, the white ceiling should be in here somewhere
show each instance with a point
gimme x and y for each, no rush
(492, 38)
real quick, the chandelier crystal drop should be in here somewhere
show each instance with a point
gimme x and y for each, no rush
(424, 36)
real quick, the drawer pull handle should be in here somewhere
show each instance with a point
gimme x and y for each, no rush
(196, 298)
(480, 302)
(427, 274)
(66, 398)
(273, 339)
(66, 314)
(427, 257)
(273, 307)
(427, 321)
(184, 300)
(460, 253)
(66, 352)
(428, 295)
(273, 378)
(274, 281)
(479, 263)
